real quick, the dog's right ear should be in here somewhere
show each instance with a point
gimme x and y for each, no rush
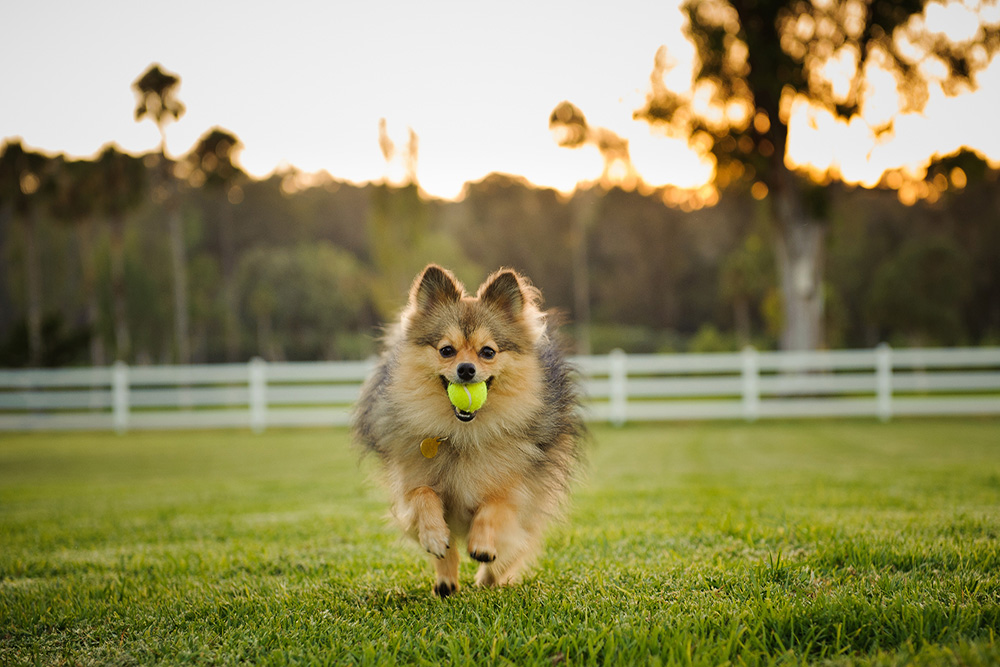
(435, 286)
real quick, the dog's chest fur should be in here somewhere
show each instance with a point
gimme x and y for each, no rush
(465, 477)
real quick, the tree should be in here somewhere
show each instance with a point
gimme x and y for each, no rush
(307, 300)
(124, 181)
(156, 99)
(746, 276)
(755, 59)
(77, 196)
(25, 185)
(503, 220)
(212, 165)
(571, 130)
(920, 293)
(398, 223)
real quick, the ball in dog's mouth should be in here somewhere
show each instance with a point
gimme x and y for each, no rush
(460, 414)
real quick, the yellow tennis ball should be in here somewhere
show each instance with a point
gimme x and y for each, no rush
(467, 397)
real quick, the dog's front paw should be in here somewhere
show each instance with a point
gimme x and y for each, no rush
(436, 541)
(445, 588)
(482, 551)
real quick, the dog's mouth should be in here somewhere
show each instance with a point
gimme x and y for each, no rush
(462, 415)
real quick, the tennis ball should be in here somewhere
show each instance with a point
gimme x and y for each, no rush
(467, 397)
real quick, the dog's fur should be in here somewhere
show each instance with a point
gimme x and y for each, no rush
(500, 477)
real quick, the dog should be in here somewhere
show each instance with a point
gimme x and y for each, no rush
(496, 476)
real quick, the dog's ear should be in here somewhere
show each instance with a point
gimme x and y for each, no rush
(435, 286)
(503, 291)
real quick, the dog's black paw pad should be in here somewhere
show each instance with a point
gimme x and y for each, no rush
(483, 557)
(444, 588)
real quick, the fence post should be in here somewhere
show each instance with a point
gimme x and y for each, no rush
(119, 396)
(883, 381)
(258, 394)
(618, 390)
(751, 384)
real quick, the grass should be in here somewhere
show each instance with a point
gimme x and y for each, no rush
(842, 542)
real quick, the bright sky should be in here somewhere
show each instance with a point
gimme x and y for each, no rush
(304, 83)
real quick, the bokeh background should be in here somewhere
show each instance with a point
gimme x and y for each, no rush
(214, 182)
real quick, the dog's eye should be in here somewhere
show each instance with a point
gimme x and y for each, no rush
(447, 351)
(487, 353)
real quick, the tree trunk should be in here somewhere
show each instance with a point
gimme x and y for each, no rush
(800, 251)
(178, 257)
(584, 211)
(84, 235)
(741, 318)
(33, 291)
(123, 341)
(264, 348)
(230, 312)
(799, 248)
(799, 237)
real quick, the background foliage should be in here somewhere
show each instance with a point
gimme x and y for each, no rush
(318, 264)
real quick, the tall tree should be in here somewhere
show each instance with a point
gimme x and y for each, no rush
(25, 183)
(571, 130)
(755, 58)
(312, 295)
(397, 222)
(156, 99)
(213, 165)
(76, 200)
(744, 279)
(124, 187)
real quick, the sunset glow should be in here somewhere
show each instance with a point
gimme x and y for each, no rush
(475, 85)
(825, 146)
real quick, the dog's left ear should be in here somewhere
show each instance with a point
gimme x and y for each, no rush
(503, 291)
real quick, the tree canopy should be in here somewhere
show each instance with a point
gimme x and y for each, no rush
(297, 266)
(757, 59)
(156, 97)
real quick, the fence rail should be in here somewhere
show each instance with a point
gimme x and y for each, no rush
(749, 385)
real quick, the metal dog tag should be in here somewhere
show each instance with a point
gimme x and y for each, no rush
(429, 447)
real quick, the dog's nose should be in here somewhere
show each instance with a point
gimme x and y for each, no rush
(466, 372)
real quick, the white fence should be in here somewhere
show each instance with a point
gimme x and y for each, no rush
(749, 385)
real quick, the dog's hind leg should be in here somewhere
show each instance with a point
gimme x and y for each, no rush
(447, 574)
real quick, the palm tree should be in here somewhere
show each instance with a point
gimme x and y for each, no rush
(124, 178)
(156, 99)
(25, 182)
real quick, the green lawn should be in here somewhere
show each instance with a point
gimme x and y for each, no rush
(808, 542)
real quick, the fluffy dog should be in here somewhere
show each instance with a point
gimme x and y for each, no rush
(494, 477)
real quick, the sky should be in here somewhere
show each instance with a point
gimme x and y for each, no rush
(304, 83)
